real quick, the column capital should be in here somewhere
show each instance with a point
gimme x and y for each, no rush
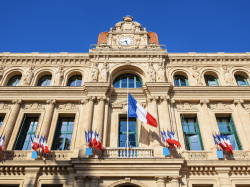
(204, 101)
(160, 178)
(238, 101)
(164, 97)
(101, 98)
(172, 101)
(17, 101)
(90, 98)
(51, 101)
(152, 98)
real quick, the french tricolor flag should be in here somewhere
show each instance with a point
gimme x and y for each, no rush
(137, 111)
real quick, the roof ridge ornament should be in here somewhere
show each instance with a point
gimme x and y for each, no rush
(128, 18)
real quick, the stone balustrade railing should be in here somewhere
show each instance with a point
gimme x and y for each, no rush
(133, 152)
(238, 155)
(26, 155)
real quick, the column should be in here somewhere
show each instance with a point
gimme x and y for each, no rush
(206, 127)
(160, 181)
(12, 120)
(100, 117)
(48, 117)
(242, 125)
(89, 112)
(31, 176)
(166, 112)
(80, 139)
(156, 139)
(175, 181)
(94, 181)
(71, 178)
(79, 181)
(223, 176)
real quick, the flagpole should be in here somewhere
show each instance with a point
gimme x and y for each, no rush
(127, 122)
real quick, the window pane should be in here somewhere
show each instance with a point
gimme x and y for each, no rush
(14, 81)
(117, 82)
(45, 81)
(176, 83)
(123, 128)
(132, 137)
(232, 141)
(59, 142)
(123, 137)
(131, 81)
(122, 144)
(213, 83)
(185, 128)
(131, 128)
(79, 81)
(182, 81)
(225, 124)
(72, 81)
(138, 83)
(68, 141)
(194, 141)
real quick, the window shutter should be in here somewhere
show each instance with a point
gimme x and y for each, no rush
(235, 133)
(16, 146)
(56, 133)
(217, 82)
(199, 134)
(246, 81)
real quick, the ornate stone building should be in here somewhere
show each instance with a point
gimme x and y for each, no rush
(60, 95)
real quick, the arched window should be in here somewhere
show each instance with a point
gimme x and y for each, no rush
(180, 80)
(75, 80)
(128, 81)
(211, 80)
(44, 81)
(241, 81)
(15, 80)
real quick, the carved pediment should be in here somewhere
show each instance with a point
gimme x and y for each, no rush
(4, 106)
(187, 106)
(68, 106)
(220, 106)
(34, 106)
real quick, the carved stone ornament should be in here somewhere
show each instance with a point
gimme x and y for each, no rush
(238, 101)
(197, 76)
(1, 70)
(127, 62)
(34, 106)
(17, 101)
(4, 106)
(161, 72)
(187, 106)
(220, 106)
(247, 107)
(94, 72)
(204, 101)
(58, 76)
(104, 72)
(28, 76)
(51, 101)
(68, 106)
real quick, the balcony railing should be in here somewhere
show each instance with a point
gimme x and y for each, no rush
(133, 152)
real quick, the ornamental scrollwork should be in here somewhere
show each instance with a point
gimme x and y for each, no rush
(220, 106)
(187, 106)
(68, 106)
(34, 106)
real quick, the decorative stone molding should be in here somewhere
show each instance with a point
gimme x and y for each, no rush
(204, 101)
(68, 106)
(220, 106)
(1, 70)
(120, 182)
(34, 106)
(238, 101)
(4, 106)
(101, 98)
(90, 98)
(17, 101)
(187, 106)
(127, 62)
(51, 101)
(152, 98)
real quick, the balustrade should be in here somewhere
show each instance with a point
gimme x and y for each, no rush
(133, 152)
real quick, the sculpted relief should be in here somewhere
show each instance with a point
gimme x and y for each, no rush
(28, 76)
(104, 72)
(58, 76)
(197, 76)
(228, 78)
(94, 72)
(161, 72)
(151, 72)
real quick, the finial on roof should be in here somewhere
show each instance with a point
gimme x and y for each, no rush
(128, 18)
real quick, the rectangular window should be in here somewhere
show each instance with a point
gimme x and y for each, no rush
(132, 131)
(227, 127)
(191, 133)
(27, 130)
(1, 120)
(63, 135)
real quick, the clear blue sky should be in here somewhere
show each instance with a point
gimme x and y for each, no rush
(72, 25)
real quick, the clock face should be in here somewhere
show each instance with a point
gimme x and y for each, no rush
(126, 41)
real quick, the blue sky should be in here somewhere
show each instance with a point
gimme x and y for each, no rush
(72, 25)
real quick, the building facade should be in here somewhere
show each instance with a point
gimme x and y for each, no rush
(62, 95)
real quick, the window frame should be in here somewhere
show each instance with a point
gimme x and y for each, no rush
(120, 80)
(68, 84)
(187, 134)
(39, 81)
(207, 76)
(59, 132)
(186, 80)
(21, 132)
(233, 130)
(236, 78)
(19, 77)
(125, 133)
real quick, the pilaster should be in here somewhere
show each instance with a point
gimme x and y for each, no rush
(79, 181)
(94, 181)
(160, 181)
(223, 175)
(30, 176)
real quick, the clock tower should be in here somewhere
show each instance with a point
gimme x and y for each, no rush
(128, 34)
